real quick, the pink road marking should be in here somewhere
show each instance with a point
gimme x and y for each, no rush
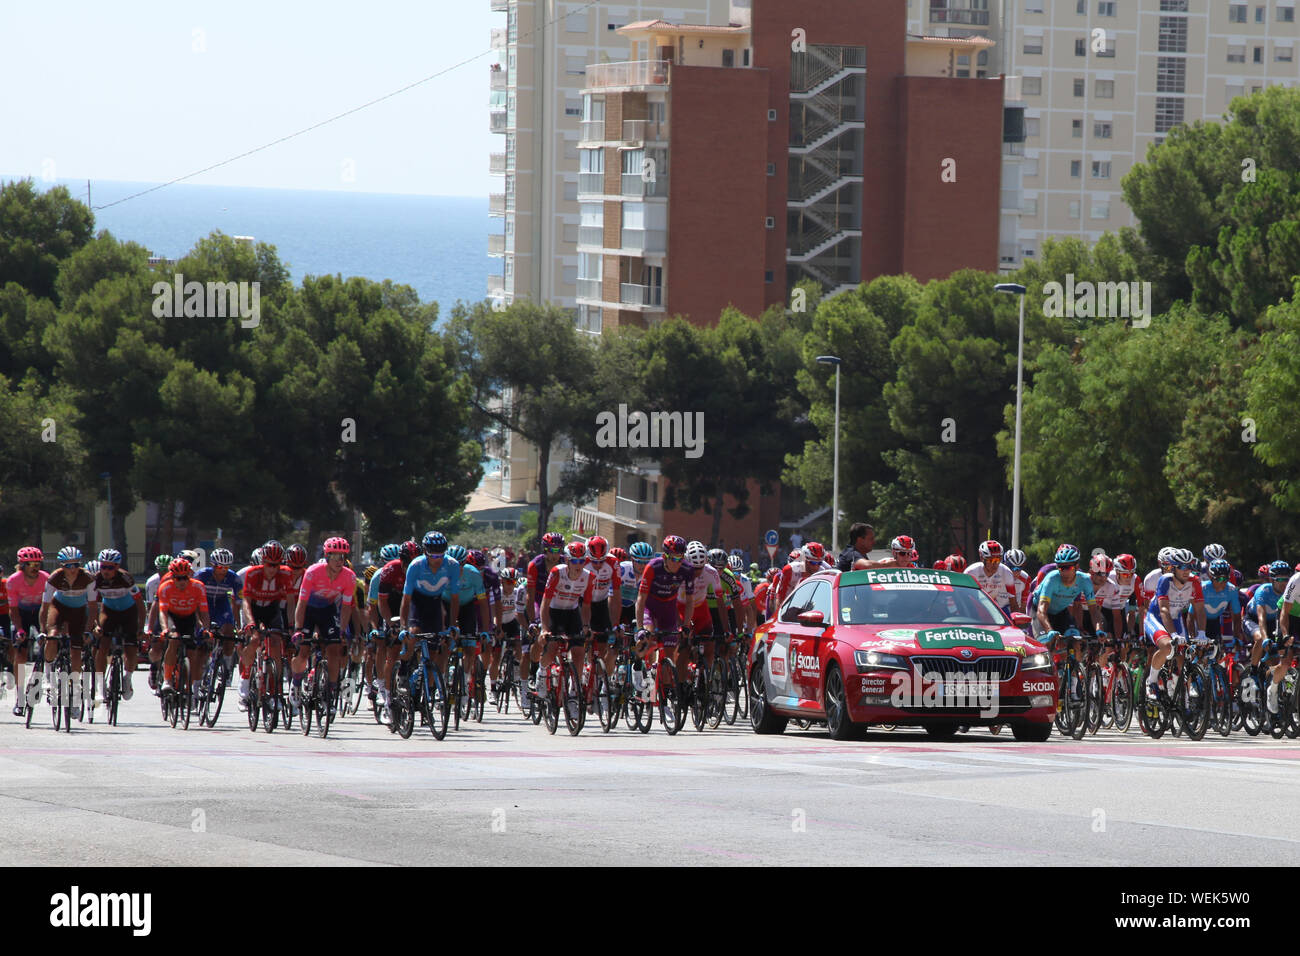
(716, 851)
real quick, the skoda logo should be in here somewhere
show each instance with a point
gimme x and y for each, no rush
(966, 653)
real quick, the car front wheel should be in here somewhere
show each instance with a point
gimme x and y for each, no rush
(835, 700)
(761, 717)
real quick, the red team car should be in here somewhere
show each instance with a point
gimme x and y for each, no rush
(903, 646)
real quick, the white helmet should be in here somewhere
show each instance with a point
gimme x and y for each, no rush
(697, 555)
(1166, 556)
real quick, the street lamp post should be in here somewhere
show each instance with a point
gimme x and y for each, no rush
(108, 476)
(835, 480)
(1012, 288)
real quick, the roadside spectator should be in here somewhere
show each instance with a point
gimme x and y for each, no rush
(862, 539)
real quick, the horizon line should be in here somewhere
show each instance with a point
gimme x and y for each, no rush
(43, 184)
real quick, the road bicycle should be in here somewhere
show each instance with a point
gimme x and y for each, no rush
(315, 691)
(560, 691)
(267, 698)
(422, 689)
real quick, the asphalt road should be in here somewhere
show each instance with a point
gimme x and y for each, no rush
(506, 792)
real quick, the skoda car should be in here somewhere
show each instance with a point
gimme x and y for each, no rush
(902, 646)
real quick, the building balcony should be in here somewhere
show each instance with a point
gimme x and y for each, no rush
(645, 240)
(648, 296)
(497, 244)
(628, 73)
(634, 186)
(591, 184)
(644, 131)
(591, 236)
(589, 289)
(498, 38)
(497, 163)
(496, 285)
(497, 121)
(499, 6)
(591, 131)
(497, 204)
(628, 509)
(1013, 149)
(976, 18)
(498, 79)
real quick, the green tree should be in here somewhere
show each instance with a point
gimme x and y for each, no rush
(41, 468)
(37, 232)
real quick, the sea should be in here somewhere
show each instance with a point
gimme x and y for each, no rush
(435, 244)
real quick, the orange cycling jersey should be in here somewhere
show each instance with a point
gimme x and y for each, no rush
(172, 599)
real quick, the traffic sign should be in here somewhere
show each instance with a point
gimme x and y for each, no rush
(771, 538)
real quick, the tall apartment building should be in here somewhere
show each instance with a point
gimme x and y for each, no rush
(718, 164)
(1102, 80)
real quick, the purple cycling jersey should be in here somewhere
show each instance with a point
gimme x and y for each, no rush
(491, 584)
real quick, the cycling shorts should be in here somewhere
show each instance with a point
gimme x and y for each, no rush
(269, 616)
(567, 622)
(322, 619)
(511, 630)
(125, 623)
(428, 614)
(74, 617)
(1153, 628)
(188, 630)
(600, 621)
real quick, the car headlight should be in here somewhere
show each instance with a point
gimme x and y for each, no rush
(874, 660)
(1037, 662)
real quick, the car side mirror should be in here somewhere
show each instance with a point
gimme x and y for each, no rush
(1020, 620)
(812, 619)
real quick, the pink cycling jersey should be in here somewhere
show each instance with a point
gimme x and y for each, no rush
(24, 594)
(320, 590)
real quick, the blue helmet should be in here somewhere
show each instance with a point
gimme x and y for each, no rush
(1067, 554)
(1220, 568)
(68, 555)
(641, 551)
(390, 552)
(457, 553)
(1278, 569)
(111, 556)
(435, 542)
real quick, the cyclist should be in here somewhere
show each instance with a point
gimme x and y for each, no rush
(1175, 592)
(121, 609)
(26, 589)
(1221, 600)
(566, 607)
(539, 569)
(706, 620)
(994, 577)
(903, 554)
(1055, 596)
(742, 614)
(328, 591)
(183, 614)
(1261, 619)
(605, 613)
(430, 578)
(956, 563)
(475, 612)
(269, 601)
(512, 607)
(639, 554)
(152, 626)
(1163, 566)
(1210, 553)
(1123, 586)
(66, 606)
(656, 602)
(762, 593)
(814, 553)
(798, 567)
(225, 602)
(384, 602)
(1288, 611)
(1014, 560)
(296, 556)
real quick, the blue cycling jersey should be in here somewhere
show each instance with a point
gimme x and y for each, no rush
(220, 592)
(423, 581)
(471, 584)
(1266, 597)
(1220, 602)
(1059, 595)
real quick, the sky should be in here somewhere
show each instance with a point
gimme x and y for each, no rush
(150, 92)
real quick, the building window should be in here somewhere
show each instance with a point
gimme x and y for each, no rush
(1173, 35)
(1031, 126)
(573, 107)
(1075, 166)
(1104, 90)
(1078, 86)
(1081, 7)
(1232, 90)
(1031, 85)
(1074, 208)
(1076, 128)
(1029, 207)
(1033, 6)
(1081, 46)
(1101, 130)
(769, 222)
(1101, 169)
(1255, 87)
(1033, 44)
(744, 61)
(571, 191)
(1100, 209)
(1237, 53)
(1030, 167)
(1169, 111)
(1173, 6)
(1259, 54)
(1237, 13)
(1286, 14)
(1109, 48)
(1171, 74)
(1106, 8)
(771, 116)
(771, 169)
(576, 22)
(728, 57)
(1259, 14)
(575, 65)
(1282, 54)
(768, 276)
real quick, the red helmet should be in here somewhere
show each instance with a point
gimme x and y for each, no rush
(179, 568)
(553, 541)
(956, 562)
(674, 546)
(1126, 564)
(794, 555)
(30, 554)
(903, 545)
(297, 556)
(476, 558)
(337, 546)
(597, 547)
(272, 553)
(507, 574)
(619, 554)
(990, 549)
(1100, 564)
(1262, 572)
(409, 551)
(941, 565)
(773, 574)
(575, 551)
(814, 552)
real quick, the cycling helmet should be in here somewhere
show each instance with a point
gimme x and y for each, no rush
(370, 572)
(575, 551)
(1262, 572)
(162, 562)
(1184, 559)
(641, 550)
(1220, 568)
(337, 546)
(903, 545)
(508, 574)
(190, 555)
(1100, 564)
(1279, 569)
(180, 568)
(390, 552)
(1067, 554)
(1014, 558)
(697, 555)
(814, 552)
(224, 558)
(773, 574)
(941, 564)
(597, 548)
(1126, 564)
(619, 554)
(795, 555)
(272, 553)
(409, 551)
(434, 542)
(111, 556)
(258, 554)
(457, 553)
(476, 558)
(92, 568)
(736, 563)
(674, 546)
(956, 562)
(990, 549)
(717, 558)
(1165, 557)
(1212, 552)
(297, 556)
(553, 541)
(30, 553)
(68, 555)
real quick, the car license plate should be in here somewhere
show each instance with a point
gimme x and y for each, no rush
(967, 690)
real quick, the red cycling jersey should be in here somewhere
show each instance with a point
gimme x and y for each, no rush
(261, 589)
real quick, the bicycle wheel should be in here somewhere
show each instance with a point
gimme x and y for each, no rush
(671, 714)
(209, 690)
(1153, 714)
(603, 696)
(439, 704)
(324, 701)
(1121, 698)
(699, 691)
(550, 701)
(1194, 701)
(1291, 706)
(113, 688)
(717, 704)
(732, 688)
(1220, 700)
(255, 697)
(67, 706)
(186, 691)
(56, 696)
(1251, 695)
(459, 701)
(1096, 689)
(505, 685)
(1074, 700)
(305, 707)
(575, 700)
(479, 697)
(88, 704)
(403, 708)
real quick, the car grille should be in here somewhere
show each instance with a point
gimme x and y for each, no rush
(1004, 667)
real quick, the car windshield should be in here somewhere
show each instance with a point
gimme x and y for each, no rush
(865, 604)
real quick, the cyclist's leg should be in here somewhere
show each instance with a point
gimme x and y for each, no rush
(1161, 643)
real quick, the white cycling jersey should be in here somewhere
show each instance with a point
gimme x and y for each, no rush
(1292, 591)
(1000, 585)
(1112, 595)
(151, 588)
(1150, 581)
